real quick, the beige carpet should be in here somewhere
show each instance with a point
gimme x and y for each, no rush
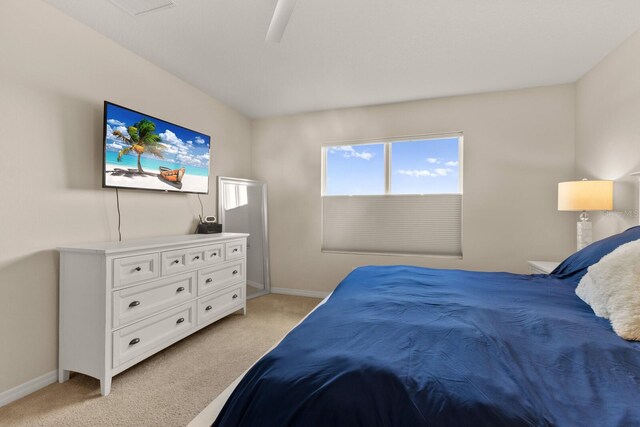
(173, 386)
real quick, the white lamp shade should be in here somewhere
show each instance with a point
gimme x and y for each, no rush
(585, 196)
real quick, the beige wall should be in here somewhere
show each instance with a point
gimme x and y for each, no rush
(54, 75)
(608, 132)
(518, 145)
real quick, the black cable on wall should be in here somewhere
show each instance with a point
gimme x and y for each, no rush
(118, 206)
(201, 208)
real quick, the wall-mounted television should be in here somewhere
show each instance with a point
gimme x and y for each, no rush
(144, 152)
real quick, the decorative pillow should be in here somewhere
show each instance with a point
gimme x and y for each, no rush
(573, 268)
(612, 289)
(592, 295)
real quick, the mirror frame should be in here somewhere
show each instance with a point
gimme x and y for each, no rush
(222, 180)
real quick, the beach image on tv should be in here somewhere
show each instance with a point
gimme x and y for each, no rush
(147, 153)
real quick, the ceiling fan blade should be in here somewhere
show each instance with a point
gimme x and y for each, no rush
(280, 19)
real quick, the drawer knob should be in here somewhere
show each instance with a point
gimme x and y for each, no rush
(209, 280)
(138, 268)
(134, 341)
(175, 261)
(235, 250)
(214, 254)
(235, 271)
(180, 289)
(197, 257)
(134, 303)
(180, 320)
(234, 296)
(208, 308)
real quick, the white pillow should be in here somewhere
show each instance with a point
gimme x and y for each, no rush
(589, 293)
(612, 288)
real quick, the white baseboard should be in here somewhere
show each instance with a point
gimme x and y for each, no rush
(29, 387)
(299, 292)
(255, 285)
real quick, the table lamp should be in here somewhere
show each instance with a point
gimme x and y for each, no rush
(585, 196)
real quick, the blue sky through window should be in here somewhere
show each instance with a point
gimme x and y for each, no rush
(355, 170)
(430, 166)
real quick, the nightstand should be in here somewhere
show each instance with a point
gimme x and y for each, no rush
(542, 267)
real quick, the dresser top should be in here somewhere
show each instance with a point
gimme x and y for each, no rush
(161, 243)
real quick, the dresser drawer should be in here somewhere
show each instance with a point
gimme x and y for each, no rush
(234, 250)
(139, 301)
(218, 277)
(212, 306)
(214, 254)
(135, 269)
(149, 334)
(173, 262)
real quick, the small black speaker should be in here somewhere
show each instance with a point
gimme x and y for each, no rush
(209, 228)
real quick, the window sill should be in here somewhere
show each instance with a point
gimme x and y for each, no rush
(398, 254)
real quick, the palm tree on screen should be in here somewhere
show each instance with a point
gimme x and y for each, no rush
(142, 138)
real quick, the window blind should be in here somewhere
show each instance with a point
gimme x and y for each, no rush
(393, 224)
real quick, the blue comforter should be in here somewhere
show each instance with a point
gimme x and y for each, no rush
(411, 346)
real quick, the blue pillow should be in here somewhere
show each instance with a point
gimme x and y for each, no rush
(574, 267)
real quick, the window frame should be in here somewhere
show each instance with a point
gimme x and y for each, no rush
(388, 152)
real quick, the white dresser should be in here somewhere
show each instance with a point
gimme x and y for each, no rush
(121, 302)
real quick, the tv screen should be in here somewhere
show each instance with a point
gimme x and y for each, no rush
(144, 152)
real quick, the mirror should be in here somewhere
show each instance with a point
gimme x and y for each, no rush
(242, 208)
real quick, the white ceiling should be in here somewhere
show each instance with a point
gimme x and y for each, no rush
(342, 53)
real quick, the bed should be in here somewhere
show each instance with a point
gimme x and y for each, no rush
(412, 346)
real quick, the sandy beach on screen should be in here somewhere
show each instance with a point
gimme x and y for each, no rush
(190, 183)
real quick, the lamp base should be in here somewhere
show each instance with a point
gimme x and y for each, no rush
(585, 234)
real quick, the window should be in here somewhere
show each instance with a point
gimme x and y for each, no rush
(355, 170)
(399, 196)
(430, 166)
